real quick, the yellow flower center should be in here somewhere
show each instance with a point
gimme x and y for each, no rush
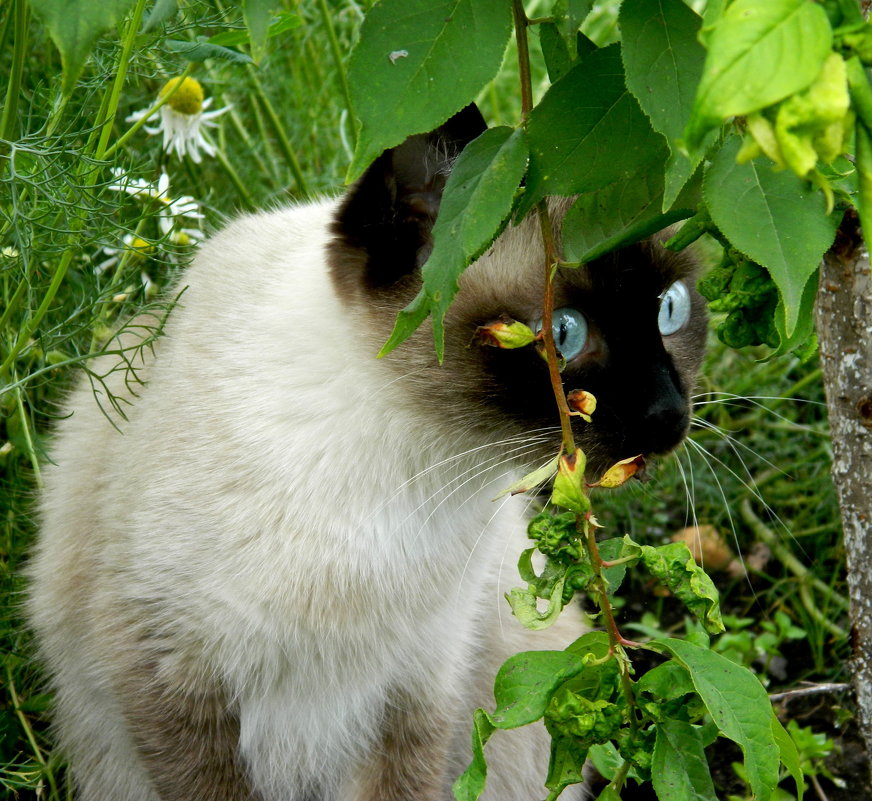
(140, 244)
(187, 99)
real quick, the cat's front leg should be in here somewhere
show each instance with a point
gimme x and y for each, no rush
(410, 760)
(187, 741)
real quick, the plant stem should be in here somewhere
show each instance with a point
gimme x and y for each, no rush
(337, 58)
(521, 23)
(547, 330)
(281, 134)
(120, 77)
(9, 120)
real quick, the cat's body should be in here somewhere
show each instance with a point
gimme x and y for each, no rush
(280, 581)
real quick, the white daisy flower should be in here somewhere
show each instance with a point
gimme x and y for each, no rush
(171, 211)
(137, 247)
(183, 118)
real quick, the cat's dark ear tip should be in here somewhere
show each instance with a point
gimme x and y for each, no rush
(387, 214)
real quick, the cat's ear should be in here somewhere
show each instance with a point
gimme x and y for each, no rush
(383, 225)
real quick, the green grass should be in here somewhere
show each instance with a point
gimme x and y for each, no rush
(57, 214)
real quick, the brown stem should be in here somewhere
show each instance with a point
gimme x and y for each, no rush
(548, 332)
(521, 23)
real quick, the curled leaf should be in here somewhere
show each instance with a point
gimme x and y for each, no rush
(525, 608)
(507, 334)
(569, 490)
(674, 566)
(581, 403)
(619, 472)
(814, 124)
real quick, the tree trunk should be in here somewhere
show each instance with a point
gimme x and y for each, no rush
(844, 328)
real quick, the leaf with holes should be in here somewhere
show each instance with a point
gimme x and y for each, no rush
(423, 60)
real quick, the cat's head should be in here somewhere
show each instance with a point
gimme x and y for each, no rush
(631, 325)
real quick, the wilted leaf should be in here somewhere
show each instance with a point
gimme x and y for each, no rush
(525, 608)
(674, 566)
(582, 403)
(619, 472)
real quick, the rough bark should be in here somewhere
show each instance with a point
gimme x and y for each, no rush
(844, 328)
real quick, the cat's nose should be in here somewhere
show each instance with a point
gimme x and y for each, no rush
(664, 426)
(665, 420)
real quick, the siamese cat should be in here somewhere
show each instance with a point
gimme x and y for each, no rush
(279, 575)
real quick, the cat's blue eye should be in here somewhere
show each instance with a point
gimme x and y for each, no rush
(674, 309)
(569, 327)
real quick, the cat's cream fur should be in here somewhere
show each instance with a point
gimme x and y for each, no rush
(257, 532)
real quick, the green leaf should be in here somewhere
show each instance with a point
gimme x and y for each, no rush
(664, 59)
(555, 51)
(161, 11)
(423, 60)
(610, 550)
(774, 218)
(804, 329)
(738, 705)
(74, 26)
(470, 784)
(565, 765)
(284, 21)
(667, 681)
(789, 754)
(679, 771)
(587, 132)
(475, 205)
(201, 50)
(758, 54)
(620, 214)
(525, 683)
(257, 15)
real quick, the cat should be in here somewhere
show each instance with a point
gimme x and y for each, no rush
(278, 576)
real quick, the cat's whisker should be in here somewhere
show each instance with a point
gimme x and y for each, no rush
(480, 469)
(538, 435)
(480, 472)
(690, 506)
(735, 444)
(750, 486)
(484, 530)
